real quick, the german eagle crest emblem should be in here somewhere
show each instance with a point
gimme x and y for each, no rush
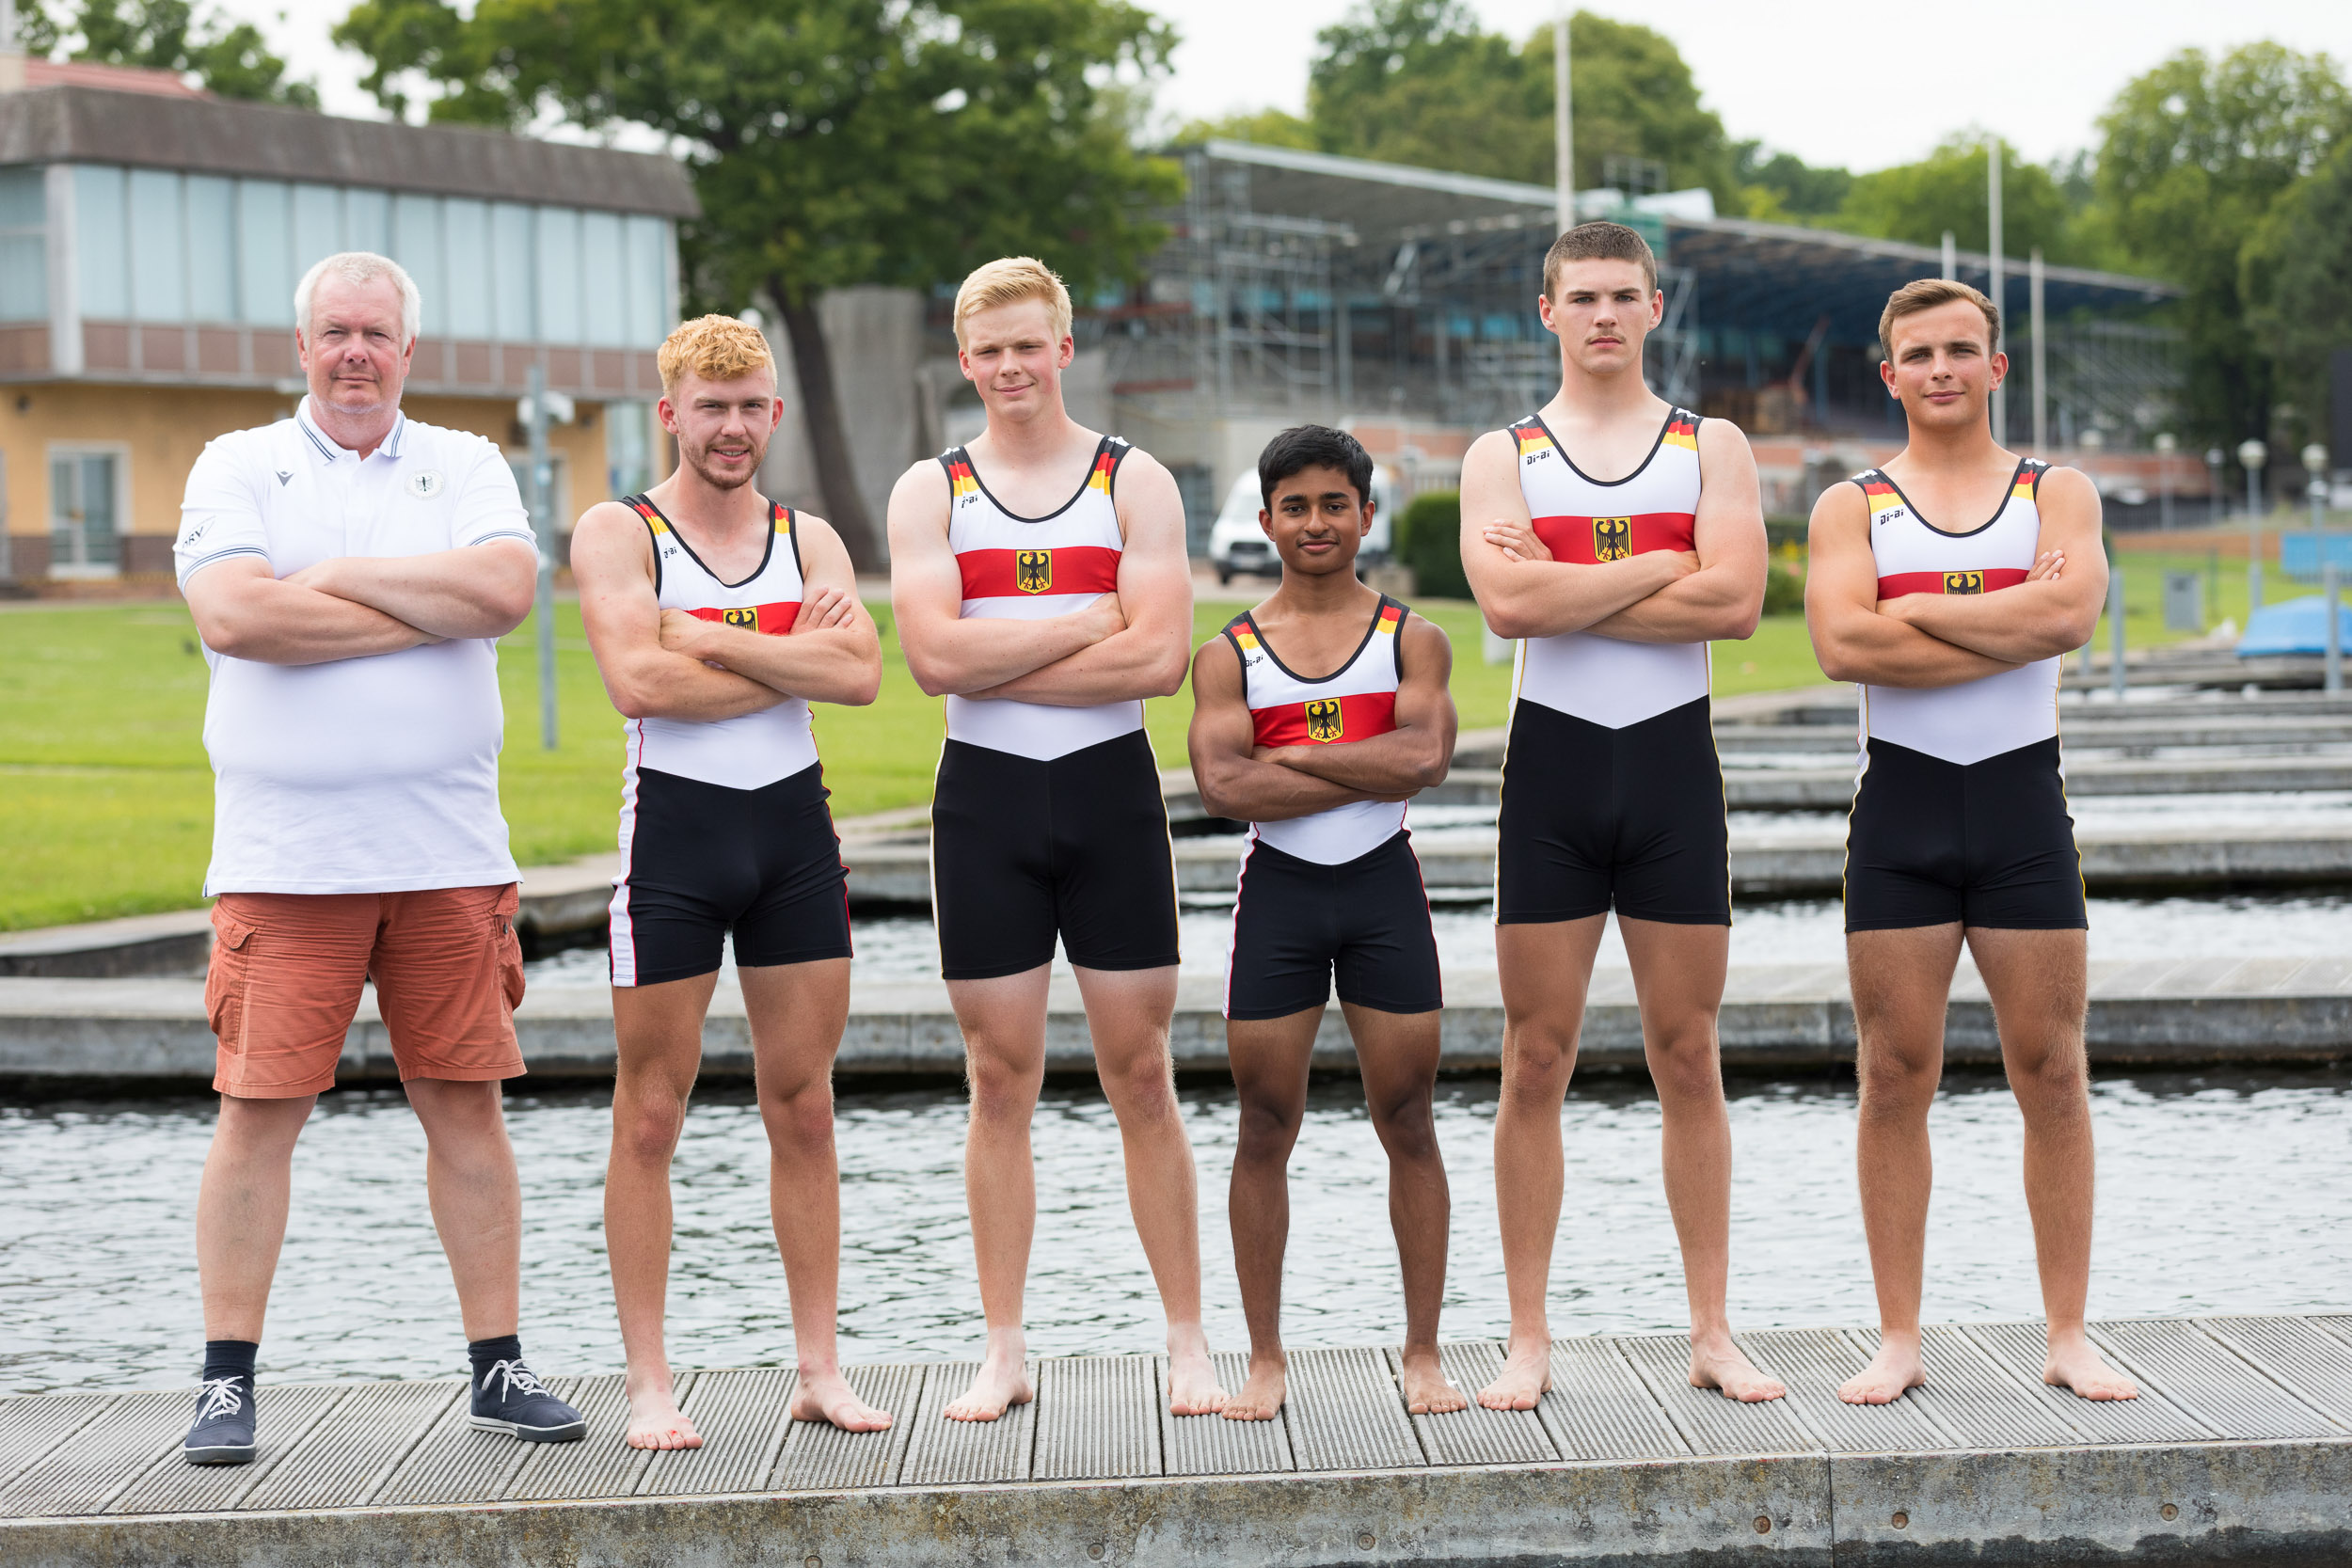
(1613, 538)
(1323, 720)
(1033, 570)
(1964, 583)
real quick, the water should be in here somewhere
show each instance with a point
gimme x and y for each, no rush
(98, 1283)
(2249, 926)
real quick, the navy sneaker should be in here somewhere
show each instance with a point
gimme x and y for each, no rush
(224, 1418)
(509, 1398)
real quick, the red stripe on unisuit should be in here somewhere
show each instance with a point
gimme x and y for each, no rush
(1070, 569)
(1362, 717)
(770, 619)
(1571, 539)
(1899, 583)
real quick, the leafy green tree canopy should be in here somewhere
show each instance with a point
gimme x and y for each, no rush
(1947, 191)
(832, 142)
(231, 59)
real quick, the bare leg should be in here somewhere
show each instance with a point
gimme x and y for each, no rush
(1679, 980)
(1902, 981)
(477, 1197)
(797, 1014)
(1545, 970)
(240, 1211)
(1397, 1054)
(1004, 1042)
(1270, 1058)
(1127, 1015)
(659, 1033)
(2037, 983)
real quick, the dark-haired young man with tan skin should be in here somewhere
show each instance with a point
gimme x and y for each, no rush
(1953, 627)
(717, 617)
(1615, 536)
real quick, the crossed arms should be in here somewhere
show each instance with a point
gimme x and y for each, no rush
(354, 605)
(1714, 591)
(666, 664)
(1120, 646)
(1248, 782)
(1933, 639)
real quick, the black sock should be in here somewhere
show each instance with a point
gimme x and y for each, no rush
(230, 1358)
(484, 1353)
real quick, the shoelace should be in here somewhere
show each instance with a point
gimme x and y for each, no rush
(514, 1378)
(222, 1396)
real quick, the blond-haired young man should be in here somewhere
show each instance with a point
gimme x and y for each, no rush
(1616, 536)
(716, 616)
(1040, 584)
(1946, 584)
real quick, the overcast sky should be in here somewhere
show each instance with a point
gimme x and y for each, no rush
(1858, 82)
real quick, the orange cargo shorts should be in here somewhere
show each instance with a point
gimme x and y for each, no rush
(287, 971)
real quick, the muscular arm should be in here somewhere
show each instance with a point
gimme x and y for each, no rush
(1232, 782)
(1725, 598)
(1524, 597)
(612, 562)
(1850, 638)
(832, 653)
(947, 654)
(242, 611)
(1146, 658)
(474, 591)
(1414, 755)
(2054, 611)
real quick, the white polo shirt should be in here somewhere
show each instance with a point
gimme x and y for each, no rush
(363, 775)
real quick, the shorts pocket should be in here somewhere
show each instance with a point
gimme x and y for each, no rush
(507, 946)
(225, 974)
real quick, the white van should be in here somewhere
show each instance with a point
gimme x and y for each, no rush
(1238, 545)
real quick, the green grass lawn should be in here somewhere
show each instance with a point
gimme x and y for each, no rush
(109, 797)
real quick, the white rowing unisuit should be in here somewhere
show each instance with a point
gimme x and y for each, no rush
(1030, 569)
(359, 775)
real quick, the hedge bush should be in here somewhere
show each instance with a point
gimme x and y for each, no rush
(1429, 540)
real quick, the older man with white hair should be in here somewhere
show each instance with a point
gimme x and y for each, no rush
(350, 571)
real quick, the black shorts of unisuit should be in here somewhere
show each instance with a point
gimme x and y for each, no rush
(704, 862)
(1298, 924)
(1986, 844)
(1595, 819)
(1024, 850)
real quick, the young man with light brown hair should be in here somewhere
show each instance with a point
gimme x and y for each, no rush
(1040, 582)
(716, 616)
(1953, 629)
(1611, 794)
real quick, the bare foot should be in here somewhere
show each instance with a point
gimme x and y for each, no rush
(1525, 1378)
(1718, 1363)
(1002, 1382)
(1426, 1390)
(827, 1397)
(1261, 1397)
(1192, 1388)
(2075, 1365)
(655, 1421)
(1894, 1372)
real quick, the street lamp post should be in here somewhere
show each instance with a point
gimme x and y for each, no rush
(2216, 497)
(2166, 446)
(2315, 465)
(2251, 456)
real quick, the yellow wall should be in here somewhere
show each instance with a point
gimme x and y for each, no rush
(162, 430)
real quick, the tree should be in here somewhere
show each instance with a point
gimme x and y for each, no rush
(1262, 128)
(2295, 275)
(232, 60)
(1946, 191)
(2195, 153)
(1785, 188)
(831, 142)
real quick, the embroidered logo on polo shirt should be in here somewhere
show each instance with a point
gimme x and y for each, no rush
(285, 476)
(425, 484)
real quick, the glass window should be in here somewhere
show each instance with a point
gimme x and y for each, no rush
(417, 245)
(159, 248)
(318, 225)
(627, 447)
(82, 522)
(605, 306)
(512, 298)
(100, 244)
(212, 248)
(23, 259)
(466, 235)
(368, 221)
(559, 275)
(265, 272)
(651, 312)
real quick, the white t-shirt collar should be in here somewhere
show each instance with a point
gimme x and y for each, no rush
(328, 450)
